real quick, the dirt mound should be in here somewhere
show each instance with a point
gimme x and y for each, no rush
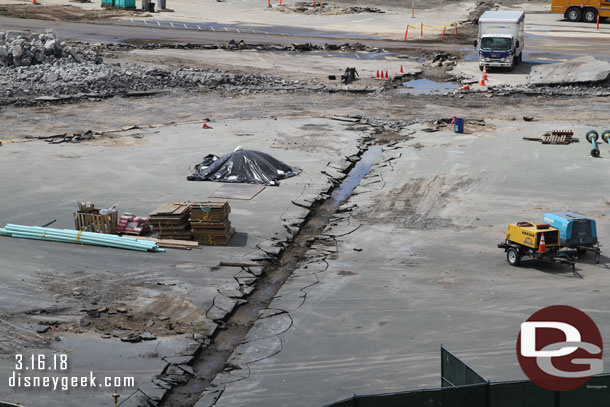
(59, 13)
(325, 9)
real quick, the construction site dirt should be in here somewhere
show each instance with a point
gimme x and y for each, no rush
(344, 279)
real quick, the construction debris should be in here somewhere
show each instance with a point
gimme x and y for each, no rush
(555, 137)
(24, 50)
(210, 222)
(171, 221)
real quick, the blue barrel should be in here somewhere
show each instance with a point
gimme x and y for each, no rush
(458, 125)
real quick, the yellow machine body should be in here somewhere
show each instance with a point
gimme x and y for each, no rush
(528, 234)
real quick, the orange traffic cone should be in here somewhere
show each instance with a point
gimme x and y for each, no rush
(542, 245)
(482, 82)
(386, 74)
(378, 77)
(205, 126)
(401, 70)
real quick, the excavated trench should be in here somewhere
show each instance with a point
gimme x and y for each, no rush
(212, 360)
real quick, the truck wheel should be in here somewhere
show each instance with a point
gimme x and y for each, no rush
(573, 14)
(513, 257)
(589, 15)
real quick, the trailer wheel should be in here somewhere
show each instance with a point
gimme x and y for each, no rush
(513, 256)
(589, 15)
(591, 135)
(573, 14)
(595, 153)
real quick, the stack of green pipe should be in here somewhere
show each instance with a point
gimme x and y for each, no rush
(76, 236)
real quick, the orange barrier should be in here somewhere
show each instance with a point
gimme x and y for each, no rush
(427, 27)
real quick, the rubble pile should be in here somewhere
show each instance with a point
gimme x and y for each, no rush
(235, 46)
(19, 50)
(20, 84)
(441, 59)
(324, 9)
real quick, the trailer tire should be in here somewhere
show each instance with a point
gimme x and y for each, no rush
(595, 153)
(513, 256)
(591, 135)
(574, 14)
(589, 15)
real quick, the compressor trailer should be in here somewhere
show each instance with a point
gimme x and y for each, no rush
(540, 242)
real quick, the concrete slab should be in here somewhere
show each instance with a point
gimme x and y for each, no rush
(578, 70)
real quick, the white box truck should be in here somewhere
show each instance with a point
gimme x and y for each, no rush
(501, 39)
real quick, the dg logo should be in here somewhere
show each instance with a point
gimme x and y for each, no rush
(559, 348)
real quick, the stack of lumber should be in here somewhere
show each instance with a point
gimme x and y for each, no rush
(171, 221)
(210, 223)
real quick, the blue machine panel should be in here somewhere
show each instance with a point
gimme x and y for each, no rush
(574, 229)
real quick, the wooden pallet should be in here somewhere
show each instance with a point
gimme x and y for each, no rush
(94, 222)
(216, 211)
(214, 237)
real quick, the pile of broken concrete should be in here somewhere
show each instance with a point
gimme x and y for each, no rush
(25, 50)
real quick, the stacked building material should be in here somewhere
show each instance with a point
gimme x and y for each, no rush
(80, 237)
(210, 223)
(132, 225)
(171, 221)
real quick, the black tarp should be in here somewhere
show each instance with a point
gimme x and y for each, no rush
(243, 166)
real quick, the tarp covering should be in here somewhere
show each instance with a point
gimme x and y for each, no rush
(243, 166)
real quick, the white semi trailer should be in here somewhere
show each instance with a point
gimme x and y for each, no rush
(501, 39)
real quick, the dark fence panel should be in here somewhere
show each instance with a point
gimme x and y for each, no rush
(521, 393)
(595, 393)
(454, 372)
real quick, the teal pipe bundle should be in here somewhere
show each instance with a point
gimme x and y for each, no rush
(80, 237)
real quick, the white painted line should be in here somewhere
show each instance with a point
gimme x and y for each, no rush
(184, 25)
(158, 23)
(360, 21)
(212, 28)
(357, 56)
(172, 24)
(145, 23)
(237, 29)
(226, 29)
(199, 28)
(131, 19)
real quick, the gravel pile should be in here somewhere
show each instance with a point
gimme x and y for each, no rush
(64, 78)
(19, 50)
(234, 45)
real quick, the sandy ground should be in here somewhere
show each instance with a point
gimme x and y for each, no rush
(182, 288)
(420, 268)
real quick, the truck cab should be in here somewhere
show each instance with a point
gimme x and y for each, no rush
(500, 41)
